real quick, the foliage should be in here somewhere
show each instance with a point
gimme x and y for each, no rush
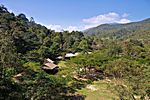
(119, 52)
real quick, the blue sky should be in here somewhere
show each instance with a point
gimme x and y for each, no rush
(80, 14)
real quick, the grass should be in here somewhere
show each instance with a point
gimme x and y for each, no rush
(102, 92)
(62, 64)
(64, 69)
(33, 66)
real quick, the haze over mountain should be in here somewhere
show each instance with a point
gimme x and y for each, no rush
(119, 29)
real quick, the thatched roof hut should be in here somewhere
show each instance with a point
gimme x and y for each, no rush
(68, 55)
(49, 66)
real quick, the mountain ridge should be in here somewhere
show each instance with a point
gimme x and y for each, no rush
(115, 29)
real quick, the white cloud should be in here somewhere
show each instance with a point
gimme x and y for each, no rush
(125, 15)
(100, 19)
(89, 26)
(72, 28)
(111, 17)
(11, 11)
(57, 28)
(123, 21)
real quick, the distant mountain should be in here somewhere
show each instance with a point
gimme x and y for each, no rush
(118, 30)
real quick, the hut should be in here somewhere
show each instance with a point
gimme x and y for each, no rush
(67, 56)
(49, 66)
(47, 60)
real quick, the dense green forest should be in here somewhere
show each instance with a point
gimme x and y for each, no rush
(119, 53)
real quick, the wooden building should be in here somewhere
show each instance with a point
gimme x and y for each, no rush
(49, 66)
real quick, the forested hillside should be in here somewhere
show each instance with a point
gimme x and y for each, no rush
(119, 30)
(113, 58)
(31, 38)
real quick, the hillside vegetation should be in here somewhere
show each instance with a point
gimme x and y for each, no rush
(119, 30)
(118, 66)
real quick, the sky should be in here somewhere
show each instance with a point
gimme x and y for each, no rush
(80, 15)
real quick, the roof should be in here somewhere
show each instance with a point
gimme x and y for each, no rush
(70, 55)
(89, 52)
(60, 57)
(77, 53)
(49, 60)
(49, 66)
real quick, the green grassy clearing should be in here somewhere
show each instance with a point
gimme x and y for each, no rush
(102, 92)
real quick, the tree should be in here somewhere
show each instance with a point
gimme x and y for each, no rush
(9, 58)
(23, 17)
(32, 20)
(3, 8)
(9, 66)
(84, 46)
